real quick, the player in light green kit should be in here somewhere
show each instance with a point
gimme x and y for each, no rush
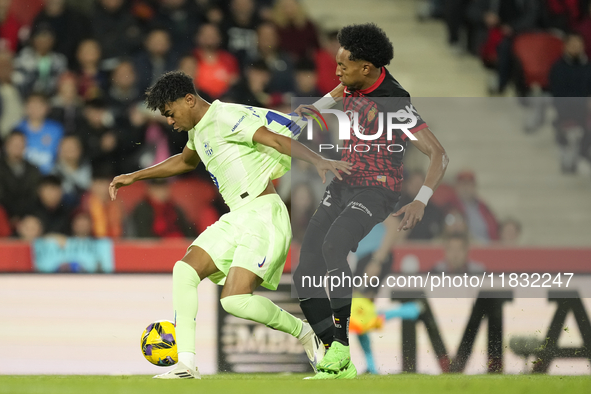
(243, 148)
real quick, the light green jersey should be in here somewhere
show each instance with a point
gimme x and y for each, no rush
(240, 168)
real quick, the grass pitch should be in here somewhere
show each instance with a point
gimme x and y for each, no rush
(293, 384)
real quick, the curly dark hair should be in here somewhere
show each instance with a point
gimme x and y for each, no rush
(169, 88)
(367, 42)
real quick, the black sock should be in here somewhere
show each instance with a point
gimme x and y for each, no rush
(342, 313)
(319, 314)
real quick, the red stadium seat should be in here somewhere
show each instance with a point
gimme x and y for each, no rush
(537, 52)
(194, 196)
(131, 195)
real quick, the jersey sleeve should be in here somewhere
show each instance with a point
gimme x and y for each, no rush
(409, 114)
(241, 123)
(191, 140)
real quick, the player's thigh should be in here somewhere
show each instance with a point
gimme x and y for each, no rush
(201, 261)
(211, 252)
(263, 244)
(328, 210)
(240, 281)
(365, 209)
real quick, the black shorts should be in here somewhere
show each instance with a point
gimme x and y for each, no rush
(356, 208)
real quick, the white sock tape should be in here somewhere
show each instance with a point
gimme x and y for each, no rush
(325, 102)
(424, 194)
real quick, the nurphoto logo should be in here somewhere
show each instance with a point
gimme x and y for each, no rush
(403, 120)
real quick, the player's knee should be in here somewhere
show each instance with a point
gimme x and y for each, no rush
(236, 305)
(337, 244)
(184, 272)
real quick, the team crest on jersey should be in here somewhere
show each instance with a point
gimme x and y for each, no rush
(372, 114)
(208, 149)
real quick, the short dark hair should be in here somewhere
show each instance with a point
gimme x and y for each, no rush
(462, 236)
(259, 65)
(305, 64)
(52, 180)
(169, 88)
(38, 95)
(367, 42)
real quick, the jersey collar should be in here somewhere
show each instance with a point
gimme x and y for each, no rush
(375, 85)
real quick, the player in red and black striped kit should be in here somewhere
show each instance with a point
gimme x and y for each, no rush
(352, 207)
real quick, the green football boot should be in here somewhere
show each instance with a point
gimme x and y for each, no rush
(350, 372)
(336, 359)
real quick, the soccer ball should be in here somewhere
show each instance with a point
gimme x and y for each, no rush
(159, 343)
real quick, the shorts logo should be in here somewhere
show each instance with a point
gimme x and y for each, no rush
(261, 264)
(326, 198)
(360, 207)
(208, 148)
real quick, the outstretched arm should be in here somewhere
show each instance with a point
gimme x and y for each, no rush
(185, 161)
(297, 150)
(328, 101)
(428, 144)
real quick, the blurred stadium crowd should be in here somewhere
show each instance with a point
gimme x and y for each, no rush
(541, 49)
(72, 82)
(72, 77)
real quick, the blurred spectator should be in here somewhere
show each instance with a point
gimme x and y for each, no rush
(180, 18)
(157, 216)
(584, 28)
(278, 61)
(326, 64)
(43, 135)
(92, 80)
(510, 232)
(303, 204)
(18, 178)
(9, 27)
(456, 260)
(306, 79)
(454, 222)
(11, 104)
(297, 33)
(5, 227)
(570, 75)
(81, 225)
(116, 30)
(155, 146)
(106, 215)
(74, 172)
(560, 14)
(455, 19)
(66, 105)
(69, 25)
(51, 209)
(37, 67)
(155, 59)
(482, 224)
(29, 228)
(252, 89)
(239, 27)
(218, 69)
(432, 224)
(188, 65)
(570, 84)
(496, 23)
(124, 92)
(99, 135)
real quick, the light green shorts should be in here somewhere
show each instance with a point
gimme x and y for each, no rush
(255, 237)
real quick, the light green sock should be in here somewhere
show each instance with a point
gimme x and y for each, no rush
(262, 310)
(184, 299)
